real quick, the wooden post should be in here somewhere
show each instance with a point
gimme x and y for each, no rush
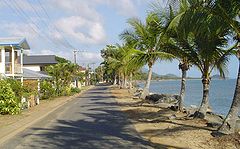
(13, 61)
(38, 88)
(2, 67)
(21, 64)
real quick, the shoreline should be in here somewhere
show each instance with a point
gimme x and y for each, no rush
(170, 129)
(179, 79)
(220, 98)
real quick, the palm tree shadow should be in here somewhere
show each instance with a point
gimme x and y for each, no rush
(100, 124)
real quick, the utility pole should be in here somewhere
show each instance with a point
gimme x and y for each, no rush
(93, 71)
(75, 56)
(75, 62)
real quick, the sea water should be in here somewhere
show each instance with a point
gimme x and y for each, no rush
(220, 94)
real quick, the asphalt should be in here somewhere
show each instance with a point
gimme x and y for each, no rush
(91, 121)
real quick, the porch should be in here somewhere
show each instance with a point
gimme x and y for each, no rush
(11, 56)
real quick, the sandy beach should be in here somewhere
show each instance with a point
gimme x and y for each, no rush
(169, 129)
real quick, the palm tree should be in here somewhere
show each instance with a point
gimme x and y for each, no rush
(117, 59)
(111, 70)
(145, 39)
(228, 11)
(209, 39)
(175, 42)
(62, 75)
(202, 39)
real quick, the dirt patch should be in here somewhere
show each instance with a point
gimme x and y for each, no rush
(168, 129)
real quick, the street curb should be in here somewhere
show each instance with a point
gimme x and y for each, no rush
(21, 125)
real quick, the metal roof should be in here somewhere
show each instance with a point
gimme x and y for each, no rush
(29, 74)
(39, 59)
(15, 41)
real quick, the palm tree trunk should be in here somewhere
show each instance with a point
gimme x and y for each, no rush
(201, 113)
(119, 79)
(146, 88)
(130, 81)
(125, 81)
(115, 80)
(122, 81)
(229, 123)
(183, 89)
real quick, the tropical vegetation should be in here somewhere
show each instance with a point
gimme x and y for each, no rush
(9, 101)
(203, 34)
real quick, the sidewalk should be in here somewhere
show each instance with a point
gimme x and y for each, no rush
(10, 125)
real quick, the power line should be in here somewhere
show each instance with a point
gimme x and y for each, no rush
(49, 18)
(66, 44)
(17, 6)
(19, 13)
(17, 9)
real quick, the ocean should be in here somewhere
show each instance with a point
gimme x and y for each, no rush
(221, 92)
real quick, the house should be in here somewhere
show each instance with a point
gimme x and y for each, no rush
(38, 62)
(12, 61)
(11, 56)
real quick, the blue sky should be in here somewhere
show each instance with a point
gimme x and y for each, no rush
(59, 26)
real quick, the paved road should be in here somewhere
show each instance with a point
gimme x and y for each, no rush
(90, 121)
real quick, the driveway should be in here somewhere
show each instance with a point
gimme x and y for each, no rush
(91, 121)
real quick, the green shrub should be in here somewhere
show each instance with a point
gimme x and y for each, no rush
(66, 91)
(9, 104)
(75, 90)
(16, 87)
(47, 90)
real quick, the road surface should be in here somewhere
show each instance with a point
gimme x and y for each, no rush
(90, 121)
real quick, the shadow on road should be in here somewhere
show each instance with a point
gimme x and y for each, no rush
(102, 125)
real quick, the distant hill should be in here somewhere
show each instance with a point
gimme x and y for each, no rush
(142, 75)
(169, 76)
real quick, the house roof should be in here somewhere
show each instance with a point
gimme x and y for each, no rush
(82, 68)
(39, 59)
(15, 41)
(29, 74)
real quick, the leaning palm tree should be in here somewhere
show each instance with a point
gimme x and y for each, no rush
(145, 38)
(228, 11)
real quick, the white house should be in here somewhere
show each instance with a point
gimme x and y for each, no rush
(11, 61)
(11, 56)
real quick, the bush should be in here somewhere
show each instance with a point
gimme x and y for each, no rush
(75, 90)
(47, 90)
(9, 104)
(16, 87)
(66, 91)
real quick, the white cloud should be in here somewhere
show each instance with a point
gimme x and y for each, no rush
(20, 29)
(85, 9)
(124, 7)
(83, 30)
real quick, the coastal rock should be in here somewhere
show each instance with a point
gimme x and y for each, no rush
(191, 110)
(213, 125)
(162, 98)
(174, 108)
(137, 93)
(139, 90)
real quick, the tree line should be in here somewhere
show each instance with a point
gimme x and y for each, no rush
(200, 33)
